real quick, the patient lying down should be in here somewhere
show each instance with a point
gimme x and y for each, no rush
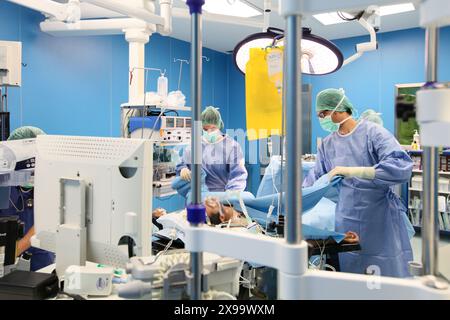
(218, 213)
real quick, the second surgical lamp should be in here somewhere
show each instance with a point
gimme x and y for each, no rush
(319, 56)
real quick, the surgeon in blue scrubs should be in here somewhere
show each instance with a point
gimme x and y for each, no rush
(371, 161)
(222, 157)
(21, 204)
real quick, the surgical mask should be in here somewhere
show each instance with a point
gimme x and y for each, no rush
(327, 123)
(211, 137)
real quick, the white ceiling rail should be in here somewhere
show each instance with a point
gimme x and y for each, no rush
(141, 10)
(94, 27)
(130, 9)
(90, 11)
(320, 6)
(67, 12)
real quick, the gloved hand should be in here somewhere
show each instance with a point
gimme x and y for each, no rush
(185, 174)
(353, 172)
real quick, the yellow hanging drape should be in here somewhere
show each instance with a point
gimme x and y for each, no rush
(263, 94)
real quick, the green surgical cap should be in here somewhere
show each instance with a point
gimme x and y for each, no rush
(26, 132)
(372, 115)
(212, 116)
(328, 99)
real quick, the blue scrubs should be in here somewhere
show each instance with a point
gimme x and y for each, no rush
(369, 207)
(223, 163)
(24, 200)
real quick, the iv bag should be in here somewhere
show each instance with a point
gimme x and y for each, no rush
(163, 86)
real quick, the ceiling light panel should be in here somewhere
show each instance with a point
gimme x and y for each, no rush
(234, 8)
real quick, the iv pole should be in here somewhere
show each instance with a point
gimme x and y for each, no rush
(195, 210)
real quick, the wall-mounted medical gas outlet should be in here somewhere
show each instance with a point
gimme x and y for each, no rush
(10, 63)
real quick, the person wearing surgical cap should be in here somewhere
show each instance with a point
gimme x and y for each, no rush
(21, 203)
(372, 162)
(372, 115)
(25, 132)
(222, 157)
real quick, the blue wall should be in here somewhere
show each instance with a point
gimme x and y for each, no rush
(75, 85)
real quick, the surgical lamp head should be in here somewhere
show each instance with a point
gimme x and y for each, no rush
(319, 56)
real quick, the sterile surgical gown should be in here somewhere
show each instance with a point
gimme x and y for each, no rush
(369, 207)
(223, 163)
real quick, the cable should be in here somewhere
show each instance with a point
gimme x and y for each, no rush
(246, 281)
(73, 296)
(174, 111)
(143, 107)
(355, 17)
(157, 119)
(276, 194)
(244, 209)
(322, 250)
(23, 203)
(330, 266)
(315, 266)
(25, 191)
(127, 121)
(165, 249)
(229, 203)
(161, 253)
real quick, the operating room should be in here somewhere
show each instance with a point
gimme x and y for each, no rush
(80, 88)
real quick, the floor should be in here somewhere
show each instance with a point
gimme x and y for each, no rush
(443, 255)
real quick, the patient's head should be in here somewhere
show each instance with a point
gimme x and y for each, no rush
(219, 213)
(216, 212)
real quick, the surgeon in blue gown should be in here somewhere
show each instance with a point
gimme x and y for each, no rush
(222, 157)
(372, 162)
(21, 204)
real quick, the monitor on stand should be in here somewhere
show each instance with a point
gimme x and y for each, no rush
(90, 193)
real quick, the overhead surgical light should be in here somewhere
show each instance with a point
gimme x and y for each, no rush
(319, 56)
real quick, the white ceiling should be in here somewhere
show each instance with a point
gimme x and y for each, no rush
(223, 36)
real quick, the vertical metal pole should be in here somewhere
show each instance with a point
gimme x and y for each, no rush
(196, 211)
(196, 92)
(293, 130)
(267, 11)
(282, 139)
(430, 222)
(196, 144)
